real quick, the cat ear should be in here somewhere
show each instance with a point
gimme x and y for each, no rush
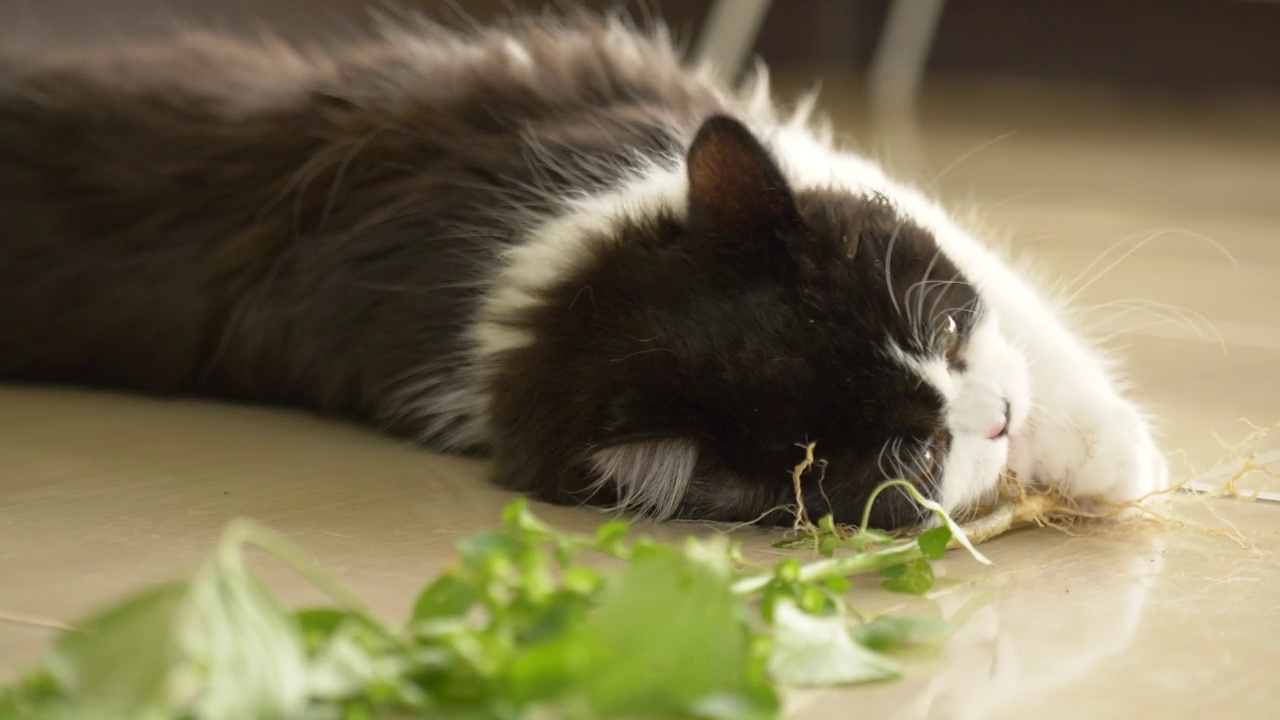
(735, 188)
(648, 476)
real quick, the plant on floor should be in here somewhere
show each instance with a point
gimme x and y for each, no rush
(518, 627)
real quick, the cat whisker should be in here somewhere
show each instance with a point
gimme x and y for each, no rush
(924, 288)
(936, 182)
(628, 356)
(1075, 287)
(880, 459)
(1134, 329)
(888, 266)
(915, 319)
(986, 208)
(936, 289)
(1180, 316)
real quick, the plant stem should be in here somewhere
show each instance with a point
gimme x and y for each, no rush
(1005, 516)
(243, 531)
(839, 566)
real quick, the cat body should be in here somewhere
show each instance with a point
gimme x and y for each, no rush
(552, 241)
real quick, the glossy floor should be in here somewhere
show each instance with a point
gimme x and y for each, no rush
(101, 493)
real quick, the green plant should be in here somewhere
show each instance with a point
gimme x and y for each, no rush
(524, 624)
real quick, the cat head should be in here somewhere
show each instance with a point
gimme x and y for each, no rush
(684, 366)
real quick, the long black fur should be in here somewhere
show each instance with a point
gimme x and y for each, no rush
(251, 221)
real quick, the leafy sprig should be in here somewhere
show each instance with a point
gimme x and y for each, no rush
(528, 622)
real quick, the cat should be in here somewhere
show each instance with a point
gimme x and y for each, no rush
(553, 241)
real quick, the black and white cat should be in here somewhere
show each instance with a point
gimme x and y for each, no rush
(552, 241)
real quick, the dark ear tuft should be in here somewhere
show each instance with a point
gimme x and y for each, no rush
(736, 190)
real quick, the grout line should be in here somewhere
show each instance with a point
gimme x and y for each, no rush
(1211, 489)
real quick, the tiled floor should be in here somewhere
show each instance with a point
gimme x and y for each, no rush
(101, 493)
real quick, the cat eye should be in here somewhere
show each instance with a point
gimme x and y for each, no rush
(951, 340)
(932, 454)
(928, 463)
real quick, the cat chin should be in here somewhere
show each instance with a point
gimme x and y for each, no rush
(972, 472)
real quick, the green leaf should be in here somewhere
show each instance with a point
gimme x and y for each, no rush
(666, 636)
(933, 543)
(516, 514)
(565, 552)
(448, 596)
(837, 583)
(482, 548)
(893, 632)
(545, 671)
(812, 599)
(914, 578)
(612, 532)
(353, 662)
(894, 571)
(787, 571)
(827, 545)
(827, 524)
(39, 696)
(119, 660)
(241, 648)
(318, 624)
(802, 542)
(812, 651)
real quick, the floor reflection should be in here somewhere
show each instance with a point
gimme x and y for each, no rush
(1029, 629)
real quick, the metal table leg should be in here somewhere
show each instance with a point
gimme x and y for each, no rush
(732, 27)
(730, 33)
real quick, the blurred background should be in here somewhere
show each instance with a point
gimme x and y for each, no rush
(1175, 45)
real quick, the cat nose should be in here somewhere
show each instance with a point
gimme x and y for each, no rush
(999, 430)
(1001, 427)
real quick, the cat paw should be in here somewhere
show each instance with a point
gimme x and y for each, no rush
(1102, 453)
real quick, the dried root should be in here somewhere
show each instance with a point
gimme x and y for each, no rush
(1021, 505)
(803, 523)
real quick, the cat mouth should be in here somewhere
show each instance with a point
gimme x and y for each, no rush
(1001, 428)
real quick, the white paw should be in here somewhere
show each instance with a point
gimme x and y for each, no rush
(1100, 451)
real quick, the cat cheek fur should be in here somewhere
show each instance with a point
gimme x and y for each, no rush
(983, 401)
(995, 373)
(650, 477)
